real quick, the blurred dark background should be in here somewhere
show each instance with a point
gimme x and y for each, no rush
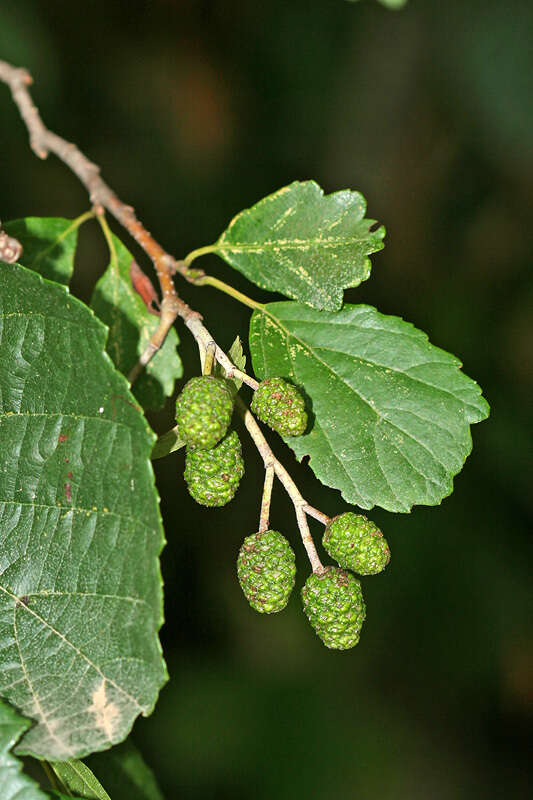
(196, 110)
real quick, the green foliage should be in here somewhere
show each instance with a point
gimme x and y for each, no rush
(80, 590)
(124, 773)
(302, 243)
(77, 778)
(131, 325)
(394, 5)
(266, 569)
(237, 357)
(391, 412)
(14, 784)
(168, 443)
(281, 406)
(387, 423)
(49, 245)
(356, 543)
(203, 411)
(333, 603)
(213, 476)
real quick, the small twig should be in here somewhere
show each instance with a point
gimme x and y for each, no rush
(242, 376)
(314, 512)
(203, 338)
(209, 358)
(264, 517)
(43, 142)
(270, 460)
(50, 775)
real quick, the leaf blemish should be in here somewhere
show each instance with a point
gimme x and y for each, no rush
(105, 711)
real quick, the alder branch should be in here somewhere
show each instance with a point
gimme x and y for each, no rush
(270, 461)
(319, 515)
(43, 142)
(204, 339)
(264, 516)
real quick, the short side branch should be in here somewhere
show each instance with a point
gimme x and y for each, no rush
(270, 460)
(264, 517)
(43, 142)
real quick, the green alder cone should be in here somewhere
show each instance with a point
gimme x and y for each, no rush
(266, 570)
(333, 603)
(213, 476)
(356, 543)
(281, 406)
(203, 411)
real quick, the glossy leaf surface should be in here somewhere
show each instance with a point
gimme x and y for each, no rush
(303, 243)
(390, 413)
(80, 532)
(49, 245)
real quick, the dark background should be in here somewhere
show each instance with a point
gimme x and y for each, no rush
(196, 110)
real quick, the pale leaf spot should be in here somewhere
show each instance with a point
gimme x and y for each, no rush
(106, 712)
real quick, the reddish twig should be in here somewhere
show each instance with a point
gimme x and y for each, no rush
(43, 142)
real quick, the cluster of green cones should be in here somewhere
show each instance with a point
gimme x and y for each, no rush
(214, 465)
(266, 568)
(332, 599)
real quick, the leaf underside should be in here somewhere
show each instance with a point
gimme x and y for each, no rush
(49, 245)
(14, 784)
(307, 245)
(80, 532)
(390, 412)
(131, 325)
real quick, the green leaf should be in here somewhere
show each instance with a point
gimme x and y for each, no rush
(391, 411)
(392, 4)
(14, 784)
(49, 245)
(125, 773)
(131, 325)
(80, 532)
(167, 443)
(302, 243)
(77, 777)
(237, 357)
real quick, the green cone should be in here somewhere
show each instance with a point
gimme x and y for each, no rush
(356, 543)
(203, 411)
(213, 476)
(266, 570)
(281, 406)
(334, 606)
